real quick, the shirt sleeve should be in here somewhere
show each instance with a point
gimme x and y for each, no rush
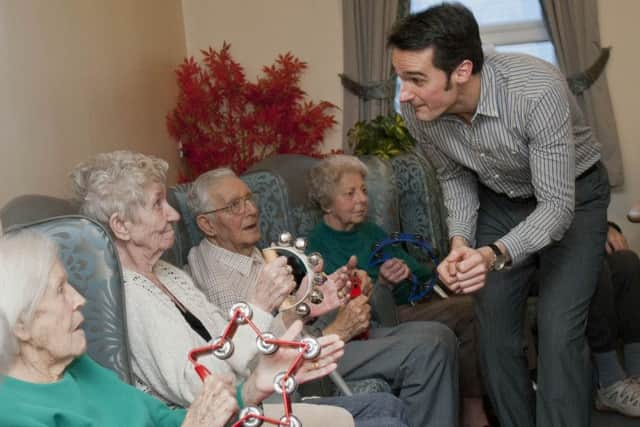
(459, 189)
(552, 164)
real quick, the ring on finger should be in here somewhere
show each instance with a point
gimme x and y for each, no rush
(341, 294)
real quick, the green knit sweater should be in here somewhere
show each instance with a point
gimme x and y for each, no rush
(337, 246)
(88, 395)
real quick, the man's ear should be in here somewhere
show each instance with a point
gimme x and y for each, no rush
(463, 72)
(206, 225)
(119, 227)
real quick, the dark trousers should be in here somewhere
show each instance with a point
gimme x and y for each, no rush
(568, 271)
(614, 313)
(369, 410)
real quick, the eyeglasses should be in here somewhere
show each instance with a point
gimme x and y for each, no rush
(237, 206)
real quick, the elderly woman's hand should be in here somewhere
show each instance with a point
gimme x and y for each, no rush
(275, 282)
(260, 384)
(336, 291)
(215, 404)
(393, 271)
(351, 320)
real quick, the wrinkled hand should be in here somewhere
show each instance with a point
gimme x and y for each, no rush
(215, 404)
(274, 284)
(394, 271)
(352, 270)
(465, 269)
(351, 320)
(615, 241)
(332, 349)
(336, 292)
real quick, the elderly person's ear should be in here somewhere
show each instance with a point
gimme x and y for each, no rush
(21, 331)
(119, 227)
(206, 225)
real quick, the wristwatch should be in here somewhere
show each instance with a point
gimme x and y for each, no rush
(500, 260)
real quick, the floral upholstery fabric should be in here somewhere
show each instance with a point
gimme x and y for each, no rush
(421, 206)
(93, 268)
(383, 194)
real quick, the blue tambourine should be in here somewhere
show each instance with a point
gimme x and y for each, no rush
(379, 256)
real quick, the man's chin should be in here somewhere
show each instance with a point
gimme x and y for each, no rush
(426, 115)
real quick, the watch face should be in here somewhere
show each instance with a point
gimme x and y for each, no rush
(501, 259)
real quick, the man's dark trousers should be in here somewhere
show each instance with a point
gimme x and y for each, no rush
(568, 270)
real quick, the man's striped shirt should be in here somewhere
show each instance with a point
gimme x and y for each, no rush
(527, 138)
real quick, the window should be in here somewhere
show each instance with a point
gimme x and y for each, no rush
(507, 25)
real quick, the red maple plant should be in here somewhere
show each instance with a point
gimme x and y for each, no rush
(222, 119)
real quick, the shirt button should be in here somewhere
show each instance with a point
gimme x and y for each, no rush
(481, 154)
(496, 176)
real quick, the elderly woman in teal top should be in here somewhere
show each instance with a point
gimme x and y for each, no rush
(47, 378)
(337, 186)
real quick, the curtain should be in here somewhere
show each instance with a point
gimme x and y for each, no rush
(573, 27)
(368, 81)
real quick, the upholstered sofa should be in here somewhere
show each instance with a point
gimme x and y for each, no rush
(404, 197)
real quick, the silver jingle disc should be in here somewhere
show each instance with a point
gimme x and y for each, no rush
(293, 421)
(285, 239)
(316, 296)
(319, 279)
(314, 258)
(245, 312)
(312, 349)
(225, 350)
(290, 384)
(300, 244)
(303, 309)
(266, 348)
(253, 421)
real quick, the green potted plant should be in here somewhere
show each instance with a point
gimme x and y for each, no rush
(385, 136)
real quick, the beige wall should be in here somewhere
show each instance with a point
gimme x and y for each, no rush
(79, 77)
(619, 29)
(83, 76)
(259, 30)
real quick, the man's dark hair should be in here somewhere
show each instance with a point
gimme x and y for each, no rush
(449, 28)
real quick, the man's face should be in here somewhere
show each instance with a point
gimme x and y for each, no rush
(236, 232)
(427, 88)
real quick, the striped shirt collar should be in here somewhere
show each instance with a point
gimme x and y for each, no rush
(488, 103)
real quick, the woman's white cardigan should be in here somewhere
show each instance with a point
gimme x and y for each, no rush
(160, 338)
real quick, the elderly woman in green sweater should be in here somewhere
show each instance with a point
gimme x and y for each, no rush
(337, 186)
(46, 379)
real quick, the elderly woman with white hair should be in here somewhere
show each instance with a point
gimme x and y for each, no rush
(337, 187)
(167, 316)
(47, 379)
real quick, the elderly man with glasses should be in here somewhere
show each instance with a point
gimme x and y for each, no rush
(418, 359)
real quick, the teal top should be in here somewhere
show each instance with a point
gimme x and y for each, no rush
(337, 246)
(87, 395)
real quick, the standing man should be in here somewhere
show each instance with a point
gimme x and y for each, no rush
(525, 191)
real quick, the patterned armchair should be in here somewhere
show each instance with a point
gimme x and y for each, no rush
(93, 268)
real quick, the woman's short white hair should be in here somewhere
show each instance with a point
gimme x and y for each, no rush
(323, 177)
(115, 183)
(198, 198)
(27, 258)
